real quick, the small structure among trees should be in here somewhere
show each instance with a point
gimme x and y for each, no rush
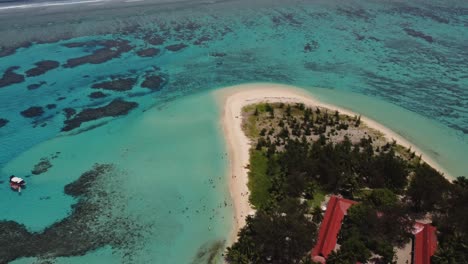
(331, 224)
(424, 243)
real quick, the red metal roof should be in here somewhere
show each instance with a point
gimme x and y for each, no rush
(425, 243)
(331, 225)
(425, 239)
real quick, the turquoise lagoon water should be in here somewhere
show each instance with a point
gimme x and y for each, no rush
(403, 64)
(172, 183)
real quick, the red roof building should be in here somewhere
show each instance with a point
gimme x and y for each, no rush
(424, 243)
(328, 234)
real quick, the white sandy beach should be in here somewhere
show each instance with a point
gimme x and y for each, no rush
(234, 98)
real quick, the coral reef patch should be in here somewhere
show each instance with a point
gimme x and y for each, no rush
(118, 84)
(111, 49)
(356, 13)
(92, 223)
(69, 112)
(418, 34)
(42, 166)
(218, 54)
(33, 111)
(35, 86)
(7, 51)
(311, 46)
(419, 12)
(96, 95)
(202, 40)
(176, 47)
(42, 67)
(51, 106)
(149, 52)
(209, 253)
(118, 107)
(3, 122)
(154, 39)
(11, 77)
(153, 82)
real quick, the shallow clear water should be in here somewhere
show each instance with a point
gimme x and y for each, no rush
(174, 184)
(403, 65)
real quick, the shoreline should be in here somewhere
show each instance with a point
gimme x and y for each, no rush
(232, 99)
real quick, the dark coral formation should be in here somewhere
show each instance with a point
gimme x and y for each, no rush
(96, 95)
(218, 54)
(10, 77)
(51, 106)
(42, 67)
(311, 46)
(202, 40)
(359, 37)
(69, 112)
(286, 18)
(86, 181)
(419, 12)
(3, 122)
(153, 82)
(149, 52)
(33, 111)
(355, 13)
(118, 107)
(7, 51)
(119, 84)
(34, 86)
(111, 49)
(176, 47)
(418, 34)
(12, 239)
(209, 253)
(186, 26)
(42, 166)
(82, 44)
(154, 40)
(91, 224)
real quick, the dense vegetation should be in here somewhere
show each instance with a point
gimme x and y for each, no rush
(301, 153)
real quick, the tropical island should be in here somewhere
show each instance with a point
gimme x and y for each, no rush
(313, 183)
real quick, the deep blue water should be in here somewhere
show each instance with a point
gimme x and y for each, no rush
(389, 60)
(414, 56)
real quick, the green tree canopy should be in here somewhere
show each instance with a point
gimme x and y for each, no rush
(284, 235)
(427, 188)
